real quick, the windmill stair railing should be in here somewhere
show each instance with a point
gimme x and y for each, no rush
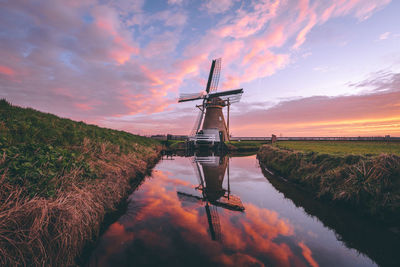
(203, 138)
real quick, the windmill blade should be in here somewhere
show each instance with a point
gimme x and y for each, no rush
(232, 98)
(213, 77)
(232, 203)
(216, 75)
(189, 197)
(190, 97)
(226, 93)
(198, 173)
(197, 123)
(213, 222)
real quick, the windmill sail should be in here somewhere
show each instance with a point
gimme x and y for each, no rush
(197, 123)
(216, 75)
(190, 97)
(213, 77)
(213, 222)
(225, 93)
(233, 96)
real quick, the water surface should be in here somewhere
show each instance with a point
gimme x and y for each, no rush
(190, 213)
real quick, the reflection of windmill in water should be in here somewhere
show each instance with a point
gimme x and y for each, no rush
(210, 172)
(210, 118)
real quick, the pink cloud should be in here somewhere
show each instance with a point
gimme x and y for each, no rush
(83, 106)
(6, 70)
(250, 35)
(253, 241)
(107, 20)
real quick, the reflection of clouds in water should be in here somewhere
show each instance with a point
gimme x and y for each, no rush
(241, 173)
(308, 255)
(180, 166)
(246, 178)
(165, 229)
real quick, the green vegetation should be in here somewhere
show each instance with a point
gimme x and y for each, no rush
(58, 178)
(174, 144)
(371, 184)
(244, 145)
(343, 147)
(36, 148)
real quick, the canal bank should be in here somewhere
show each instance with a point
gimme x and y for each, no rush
(54, 231)
(369, 184)
(58, 179)
(367, 236)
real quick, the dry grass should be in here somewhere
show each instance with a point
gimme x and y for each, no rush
(370, 184)
(52, 232)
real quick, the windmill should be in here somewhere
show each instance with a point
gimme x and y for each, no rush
(210, 172)
(210, 118)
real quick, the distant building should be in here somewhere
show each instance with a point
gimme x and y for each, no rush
(164, 137)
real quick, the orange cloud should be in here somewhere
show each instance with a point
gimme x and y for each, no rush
(308, 255)
(365, 115)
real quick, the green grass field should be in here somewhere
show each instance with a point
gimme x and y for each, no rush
(245, 145)
(343, 147)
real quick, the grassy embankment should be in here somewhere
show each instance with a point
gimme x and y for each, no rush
(174, 144)
(233, 146)
(355, 173)
(244, 145)
(58, 178)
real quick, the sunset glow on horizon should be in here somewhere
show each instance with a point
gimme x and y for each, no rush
(308, 68)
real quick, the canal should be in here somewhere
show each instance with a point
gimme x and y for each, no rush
(209, 210)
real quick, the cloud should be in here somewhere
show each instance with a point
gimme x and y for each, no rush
(218, 6)
(106, 61)
(384, 36)
(374, 113)
(175, 2)
(265, 25)
(54, 47)
(308, 255)
(170, 18)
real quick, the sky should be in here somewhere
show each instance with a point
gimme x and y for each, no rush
(308, 68)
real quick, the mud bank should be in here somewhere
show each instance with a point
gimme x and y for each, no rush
(369, 185)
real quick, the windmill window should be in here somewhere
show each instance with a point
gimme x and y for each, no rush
(220, 119)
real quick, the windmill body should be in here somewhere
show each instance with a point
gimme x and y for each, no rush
(214, 120)
(210, 126)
